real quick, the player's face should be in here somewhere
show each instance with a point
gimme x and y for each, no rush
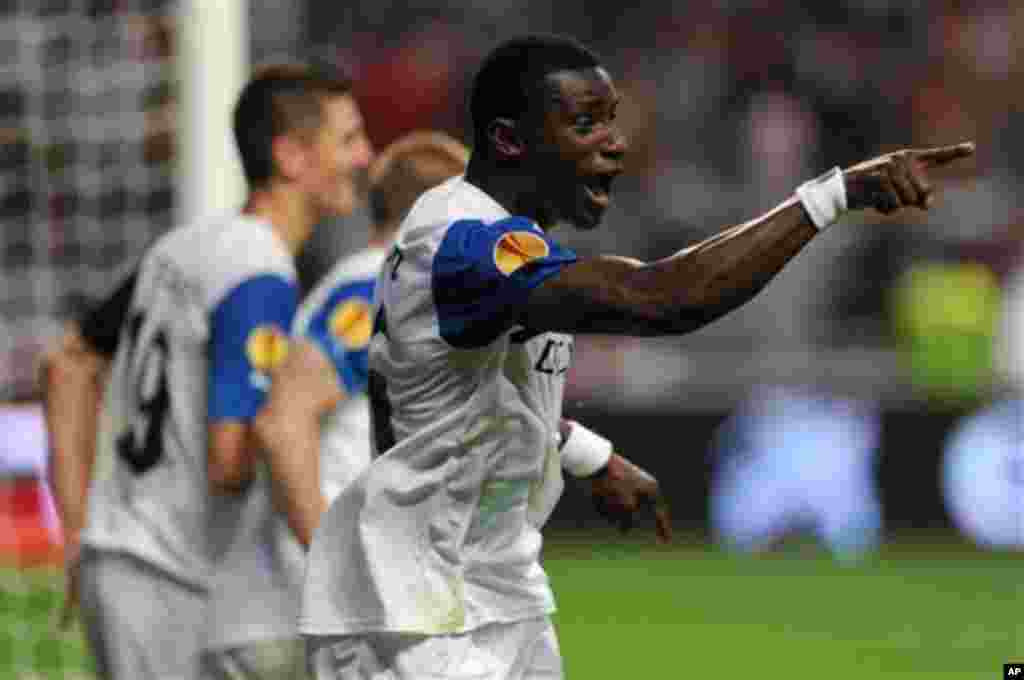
(340, 155)
(581, 148)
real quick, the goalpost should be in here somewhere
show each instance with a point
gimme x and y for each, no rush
(88, 183)
(213, 65)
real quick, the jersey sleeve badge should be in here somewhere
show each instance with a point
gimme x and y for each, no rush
(266, 347)
(516, 249)
(350, 323)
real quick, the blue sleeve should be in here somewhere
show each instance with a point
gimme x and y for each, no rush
(483, 274)
(341, 327)
(247, 337)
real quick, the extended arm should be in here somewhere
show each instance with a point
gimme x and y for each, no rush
(681, 293)
(697, 285)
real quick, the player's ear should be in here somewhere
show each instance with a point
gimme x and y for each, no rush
(289, 156)
(505, 137)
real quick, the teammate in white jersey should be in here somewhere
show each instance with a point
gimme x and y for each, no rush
(315, 426)
(426, 566)
(201, 326)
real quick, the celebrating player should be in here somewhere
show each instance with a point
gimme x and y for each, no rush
(199, 327)
(427, 564)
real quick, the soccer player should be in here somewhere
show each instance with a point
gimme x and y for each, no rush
(427, 564)
(200, 325)
(315, 425)
(793, 459)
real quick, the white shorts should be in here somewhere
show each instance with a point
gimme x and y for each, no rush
(140, 623)
(524, 650)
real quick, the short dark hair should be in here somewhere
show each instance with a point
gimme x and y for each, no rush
(512, 75)
(279, 99)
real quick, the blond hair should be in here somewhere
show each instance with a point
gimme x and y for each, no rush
(409, 166)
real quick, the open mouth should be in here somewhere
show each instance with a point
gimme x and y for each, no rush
(598, 188)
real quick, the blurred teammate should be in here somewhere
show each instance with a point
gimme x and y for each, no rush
(791, 460)
(983, 458)
(427, 564)
(200, 325)
(315, 426)
(983, 476)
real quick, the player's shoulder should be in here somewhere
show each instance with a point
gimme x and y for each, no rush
(501, 246)
(437, 205)
(458, 222)
(245, 242)
(240, 249)
(437, 209)
(223, 242)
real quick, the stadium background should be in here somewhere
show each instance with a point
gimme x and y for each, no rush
(728, 106)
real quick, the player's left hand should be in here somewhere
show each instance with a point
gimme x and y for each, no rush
(624, 489)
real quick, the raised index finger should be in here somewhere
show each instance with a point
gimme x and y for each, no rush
(940, 155)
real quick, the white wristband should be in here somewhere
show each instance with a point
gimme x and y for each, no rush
(824, 198)
(584, 452)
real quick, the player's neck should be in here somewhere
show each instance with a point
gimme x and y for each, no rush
(517, 193)
(289, 215)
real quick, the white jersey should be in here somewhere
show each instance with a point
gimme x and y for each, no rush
(197, 338)
(439, 534)
(257, 588)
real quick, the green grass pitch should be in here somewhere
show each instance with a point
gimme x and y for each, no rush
(923, 608)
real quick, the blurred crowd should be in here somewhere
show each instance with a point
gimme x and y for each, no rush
(728, 105)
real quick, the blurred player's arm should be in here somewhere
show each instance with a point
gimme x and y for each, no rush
(618, 487)
(72, 376)
(700, 284)
(247, 340)
(287, 429)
